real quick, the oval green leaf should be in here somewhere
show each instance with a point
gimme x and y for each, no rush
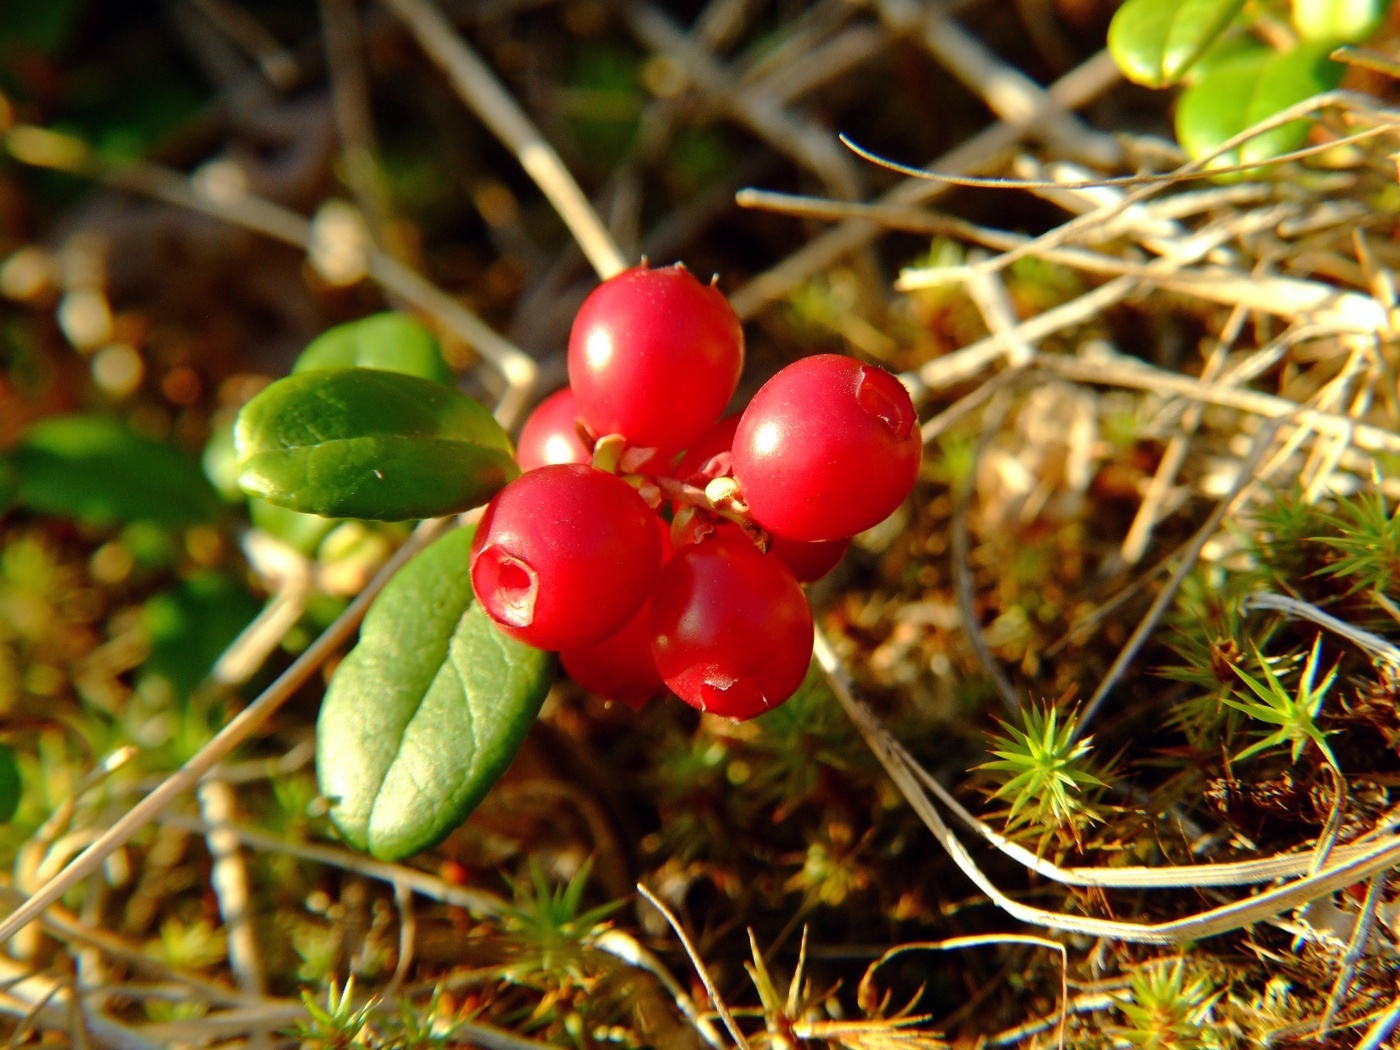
(393, 342)
(1338, 21)
(364, 443)
(189, 627)
(1247, 88)
(426, 712)
(1155, 42)
(95, 470)
(10, 786)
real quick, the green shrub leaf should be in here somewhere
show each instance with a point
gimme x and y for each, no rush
(364, 443)
(95, 470)
(190, 626)
(426, 712)
(10, 786)
(392, 342)
(1155, 42)
(1248, 87)
(1338, 21)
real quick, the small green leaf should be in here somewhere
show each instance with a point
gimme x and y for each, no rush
(426, 712)
(364, 443)
(190, 626)
(10, 786)
(390, 341)
(95, 470)
(219, 461)
(303, 532)
(9, 485)
(1155, 42)
(1338, 21)
(1247, 88)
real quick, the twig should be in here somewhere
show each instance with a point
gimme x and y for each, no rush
(1356, 947)
(626, 947)
(242, 726)
(906, 774)
(1373, 644)
(803, 141)
(735, 1031)
(1139, 533)
(957, 943)
(489, 99)
(1381, 1029)
(478, 902)
(959, 550)
(1243, 480)
(31, 995)
(1076, 88)
(1008, 92)
(1118, 370)
(350, 105)
(229, 878)
(408, 933)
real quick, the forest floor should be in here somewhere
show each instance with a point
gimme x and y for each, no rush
(1100, 744)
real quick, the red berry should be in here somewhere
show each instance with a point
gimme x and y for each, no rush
(731, 628)
(654, 355)
(564, 556)
(827, 448)
(710, 458)
(708, 455)
(808, 561)
(550, 434)
(619, 667)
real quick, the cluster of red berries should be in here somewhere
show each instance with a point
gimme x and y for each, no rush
(576, 556)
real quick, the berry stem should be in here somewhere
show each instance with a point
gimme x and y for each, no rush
(728, 507)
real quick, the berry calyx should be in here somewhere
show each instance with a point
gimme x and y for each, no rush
(654, 355)
(564, 556)
(731, 628)
(551, 435)
(827, 448)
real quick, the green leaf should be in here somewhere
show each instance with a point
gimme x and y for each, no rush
(95, 470)
(1338, 21)
(1247, 88)
(10, 786)
(9, 485)
(219, 461)
(1155, 42)
(303, 532)
(392, 342)
(190, 626)
(426, 712)
(364, 443)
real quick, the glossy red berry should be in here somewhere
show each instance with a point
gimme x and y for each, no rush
(619, 667)
(731, 628)
(550, 434)
(654, 355)
(827, 448)
(710, 458)
(708, 455)
(808, 560)
(564, 556)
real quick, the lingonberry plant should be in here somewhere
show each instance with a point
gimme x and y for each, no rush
(647, 542)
